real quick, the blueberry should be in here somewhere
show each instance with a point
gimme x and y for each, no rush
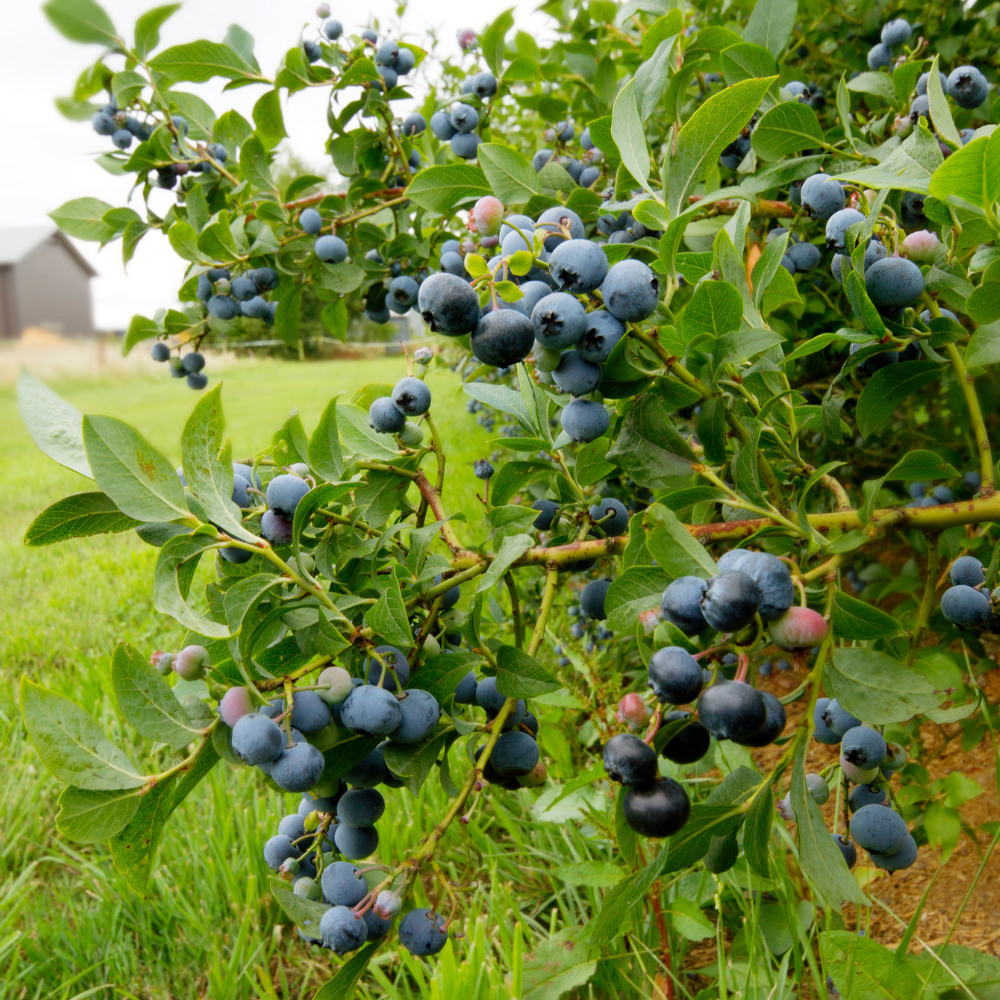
(389, 77)
(413, 124)
(894, 282)
(547, 511)
(331, 249)
(630, 761)
(805, 256)
(555, 221)
(584, 419)
(774, 581)
(903, 858)
(675, 676)
(630, 291)
(578, 266)
(601, 333)
(257, 739)
(385, 417)
(323, 803)
(159, 351)
(920, 108)
(971, 481)
(484, 85)
(530, 723)
(866, 795)
(278, 850)
(822, 196)
(369, 36)
(592, 599)
(516, 755)
(658, 809)
(122, 138)
(310, 713)
(293, 827)
(732, 710)
(838, 720)
(774, 723)
(452, 263)
(488, 697)
(465, 693)
(422, 932)
(312, 50)
(503, 337)
(333, 30)
(911, 207)
(967, 87)
(342, 929)
(896, 32)
(222, 307)
(879, 830)
(298, 767)
(311, 221)
(681, 604)
(731, 600)
(441, 125)
(387, 53)
(464, 118)
(847, 849)
(420, 713)
(368, 772)
(688, 745)
(356, 843)
(342, 884)
(967, 571)
(411, 396)
(541, 158)
(284, 493)
(588, 176)
(104, 124)
(574, 375)
(204, 289)
(448, 305)
(360, 807)
(482, 469)
(837, 226)
(558, 320)
(963, 606)
(922, 83)
(255, 308)
(370, 709)
(405, 61)
(395, 658)
(942, 494)
(879, 57)
(611, 516)
(274, 529)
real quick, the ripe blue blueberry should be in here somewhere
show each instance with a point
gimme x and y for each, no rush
(193, 361)
(422, 932)
(847, 849)
(838, 719)
(420, 713)
(257, 739)
(360, 807)
(368, 772)
(630, 291)
(333, 30)
(675, 676)
(731, 600)
(578, 266)
(389, 77)
(104, 124)
(341, 882)
(541, 158)
(488, 697)
(464, 118)
(387, 53)
(411, 396)
(774, 581)
(413, 125)
(922, 83)
(274, 529)
(342, 929)
(370, 709)
(312, 50)
(484, 85)
(405, 61)
(866, 795)
(448, 304)
(503, 337)
(963, 606)
(896, 32)
(558, 320)
(823, 733)
(278, 850)
(515, 754)
(879, 830)
(967, 87)
(837, 226)
(159, 351)
(690, 743)
(903, 858)
(588, 176)
(592, 599)
(311, 221)
(555, 221)
(611, 516)
(222, 307)
(805, 256)
(293, 827)
(681, 604)
(822, 196)
(732, 710)
(658, 809)
(920, 108)
(369, 36)
(967, 571)
(879, 57)
(452, 263)
(298, 767)
(574, 375)
(284, 493)
(894, 282)
(629, 761)
(197, 380)
(122, 138)
(331, 249)
(356, 842)
(465, 693)
(774, 723)
(395, 658)
(481, 469)
(441, 125)
(584, 419)
(385, 417)
(601, 334)
(405, 290)
(310, 713)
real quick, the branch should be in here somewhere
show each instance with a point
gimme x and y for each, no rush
(763, 209)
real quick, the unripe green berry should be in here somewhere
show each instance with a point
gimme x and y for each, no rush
(307, 888)
(334, 685)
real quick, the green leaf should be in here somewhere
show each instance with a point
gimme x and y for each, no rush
(649, 448)
(268, 120)
(443, 188)
(878, 687)
(492, 42)
(689, 920)
(343, 984)
(137, 478)
(134, 848)
(907, 168)
(199, 61)
(984, 346)
(944, 125)
(522, 676)
(84, 219)
(864, 308)
(971, 173)
(345, 754)
(770, 24)
(325, 454)
(651, 78)
(591, 464)
(147, 28)
(630, 135)
(305, 913)
(867, 969)
(175, 569)
(387, 617)
(785, 129)
(511, 549)
(440, 675)
(636, 590)
(77, 516)
(983, 305)
(757, 831)
(199, 116)
(146, 701)
(819, 856)
(89, 817)
(715, 308)
(596, 873)
(746, 61)
(854, 619)
(208, 465)
(54, 425)
(509, 174)
(922, 465)
(255, 166)
(502, 397)
(713, 126)
(358, 437)
(625, 837)
(70, 744)
(887, 388)
(83, 21)
(672, 546)
(184, 241)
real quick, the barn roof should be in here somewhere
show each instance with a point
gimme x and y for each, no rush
(16, 242)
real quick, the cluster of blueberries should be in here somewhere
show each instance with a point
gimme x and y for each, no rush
(968, 602)
(868, 763)
(581, 169)
(187, 366)
(410, 398)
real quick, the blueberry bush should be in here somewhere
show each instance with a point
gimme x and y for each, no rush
(728, 277)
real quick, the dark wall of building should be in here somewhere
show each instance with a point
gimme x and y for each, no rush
(8, 306)
(51, 290)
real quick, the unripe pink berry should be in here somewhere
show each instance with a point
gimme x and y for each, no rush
(236, 703)
(488, 213)
(323, 10)
(163, 662)
(489, 242)
(192, 662)
(922, 246)
(798, 628)
(387, 905)
(334, 685)
(466, 39)
(785, 810)
(633, 711)
(650, 619)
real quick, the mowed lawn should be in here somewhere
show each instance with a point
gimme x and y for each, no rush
(68, 925)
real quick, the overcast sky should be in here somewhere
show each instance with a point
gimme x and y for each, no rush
(50, 160)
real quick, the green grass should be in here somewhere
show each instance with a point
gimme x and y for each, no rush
(208, 928)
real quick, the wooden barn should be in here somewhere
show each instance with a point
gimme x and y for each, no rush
(44, 282)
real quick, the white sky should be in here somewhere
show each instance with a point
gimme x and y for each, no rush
(51, 159)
